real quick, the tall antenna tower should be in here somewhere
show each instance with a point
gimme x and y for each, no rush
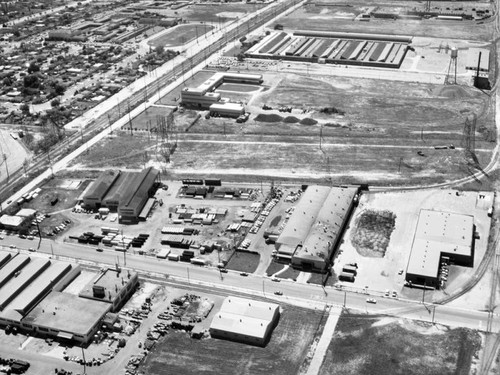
(451, 76)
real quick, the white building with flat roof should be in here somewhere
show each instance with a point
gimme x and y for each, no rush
(439, 236)
(245, 320)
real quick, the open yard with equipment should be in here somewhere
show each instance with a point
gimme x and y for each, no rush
(363, 345)
(283, 355)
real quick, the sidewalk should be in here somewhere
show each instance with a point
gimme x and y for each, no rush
(324, 341)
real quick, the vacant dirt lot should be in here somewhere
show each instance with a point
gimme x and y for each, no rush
(181, 35)
(283, 355)
(211, 12)
(371, 346)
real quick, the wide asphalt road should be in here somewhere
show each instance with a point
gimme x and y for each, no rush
(308, 295)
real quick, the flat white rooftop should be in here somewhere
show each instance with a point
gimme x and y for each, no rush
(439, 233)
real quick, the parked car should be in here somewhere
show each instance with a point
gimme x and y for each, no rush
(371, 300)
(278, 293)
(275, 279)
(244, 274)
(99, 250)
(223, 270)
(31, 250)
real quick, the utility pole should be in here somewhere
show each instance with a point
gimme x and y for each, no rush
(84, 362)
(39, 235)
(423, 294)
(6, 168)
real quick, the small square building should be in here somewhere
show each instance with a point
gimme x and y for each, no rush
(245, 320)
(112, 287)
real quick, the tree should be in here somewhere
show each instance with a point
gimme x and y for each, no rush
(55, 103)
(31, 81)
(7, 81)
(33, 67)
(25, 108)
(159, 50)
(240, 57)
(59, 89)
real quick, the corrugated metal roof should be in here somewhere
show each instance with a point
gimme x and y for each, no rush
(15, 285)
(45, 281)
(328, 224)
(102, 185)
(14, 265)
(303, 217)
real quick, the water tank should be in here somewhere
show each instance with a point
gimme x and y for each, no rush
(454, 52)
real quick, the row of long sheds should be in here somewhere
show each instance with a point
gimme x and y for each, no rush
(330, 49)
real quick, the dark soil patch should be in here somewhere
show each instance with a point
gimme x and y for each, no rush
(275, 221)
(177, 353)
(290, 273)
(243, 261)
(274, 267)
(308, 121)
(360, 348)
(373, 232)
(271, 117)
(291, 120)
(319, 279)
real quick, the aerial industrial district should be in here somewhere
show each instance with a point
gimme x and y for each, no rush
(262, 187)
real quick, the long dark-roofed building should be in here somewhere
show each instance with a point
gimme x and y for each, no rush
(123, 192)
(98, 190)
(315, 227)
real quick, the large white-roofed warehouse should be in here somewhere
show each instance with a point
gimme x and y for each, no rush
(245, 320)
(316, 226)
(439, 236)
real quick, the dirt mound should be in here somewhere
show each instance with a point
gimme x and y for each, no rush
(308, 121)
(271, 117)
(452, 92)
(291, 120)
(372, 233)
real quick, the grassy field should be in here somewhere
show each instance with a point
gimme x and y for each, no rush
(361, 346)
(274, 267)
(120, 151)
(181, 35)
(215, 13)
(150, 119)
(289, 273)
(243, 261)
(283, 355)
(328, 18)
